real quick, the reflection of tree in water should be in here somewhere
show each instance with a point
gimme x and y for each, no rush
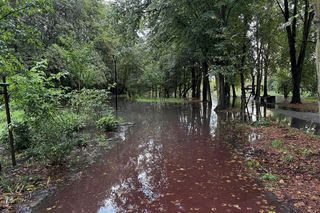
(144, 186)
(196, 119)
(144, 175)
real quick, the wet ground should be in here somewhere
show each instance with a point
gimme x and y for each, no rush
(305, 121)
(176, 158)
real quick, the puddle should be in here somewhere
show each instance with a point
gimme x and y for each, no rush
(176, 158)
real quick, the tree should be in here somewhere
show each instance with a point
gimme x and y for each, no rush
(317, 22)
(291, 13)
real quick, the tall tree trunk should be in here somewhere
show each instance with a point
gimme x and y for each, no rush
(317, 22)
(242, 77)
(296, 81)
(253, 84)
(243, 92)
(265, 83)
(209, 92)
(194, 81)
(266, 69)
(297, 60)
(318, 54)
(234, 93)
(221, 92)
(258, 62)
(199, 80)
(259, 80)
(205, 77)
(227, 89)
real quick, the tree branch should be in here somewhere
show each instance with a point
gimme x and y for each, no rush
(282, 10)
(15, 11)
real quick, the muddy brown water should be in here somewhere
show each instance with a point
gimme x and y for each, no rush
(174, 159)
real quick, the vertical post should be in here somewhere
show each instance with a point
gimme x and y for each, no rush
(116, 80)
(6, 102)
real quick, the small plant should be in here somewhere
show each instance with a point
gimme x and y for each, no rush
(262, 122)
(7, 185)
(253, 164)
(307, 152)
(269, 177)
(277, 144)
(288, 159)
(107, 123)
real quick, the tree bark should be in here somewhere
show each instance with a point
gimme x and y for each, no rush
(205, 84)
(266, 70)
(234, 93)
(316, 4)
(221, 92)
(199, 80)
(253, 81)
(194, 81)
(297, 61)
(265, 83)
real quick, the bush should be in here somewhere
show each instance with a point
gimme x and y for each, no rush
(21, 131)
(89, 103)
(22, 136)
(107, 123)
(55, 138)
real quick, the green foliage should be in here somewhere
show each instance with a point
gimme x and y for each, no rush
(55, 137)
(262, 122)
(277, 144)
(288, 159)
(21, 131)
(307, 152)
(35, 93)
(270, 177)
(90, 103)
(253, 164)
(283, 82)
(107, 122)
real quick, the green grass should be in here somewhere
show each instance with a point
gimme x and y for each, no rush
(288, 159)
(307, 152)
(277, 144)
(305, 96)
(270, 177)
(161, 100)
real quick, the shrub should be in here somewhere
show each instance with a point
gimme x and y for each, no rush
(54, 138)
(107, 123)
(21, 131)
(89, 101)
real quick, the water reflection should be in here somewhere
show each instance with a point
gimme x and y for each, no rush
(176, 158)
(308, 122)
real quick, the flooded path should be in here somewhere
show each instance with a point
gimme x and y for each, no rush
(176, 158)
